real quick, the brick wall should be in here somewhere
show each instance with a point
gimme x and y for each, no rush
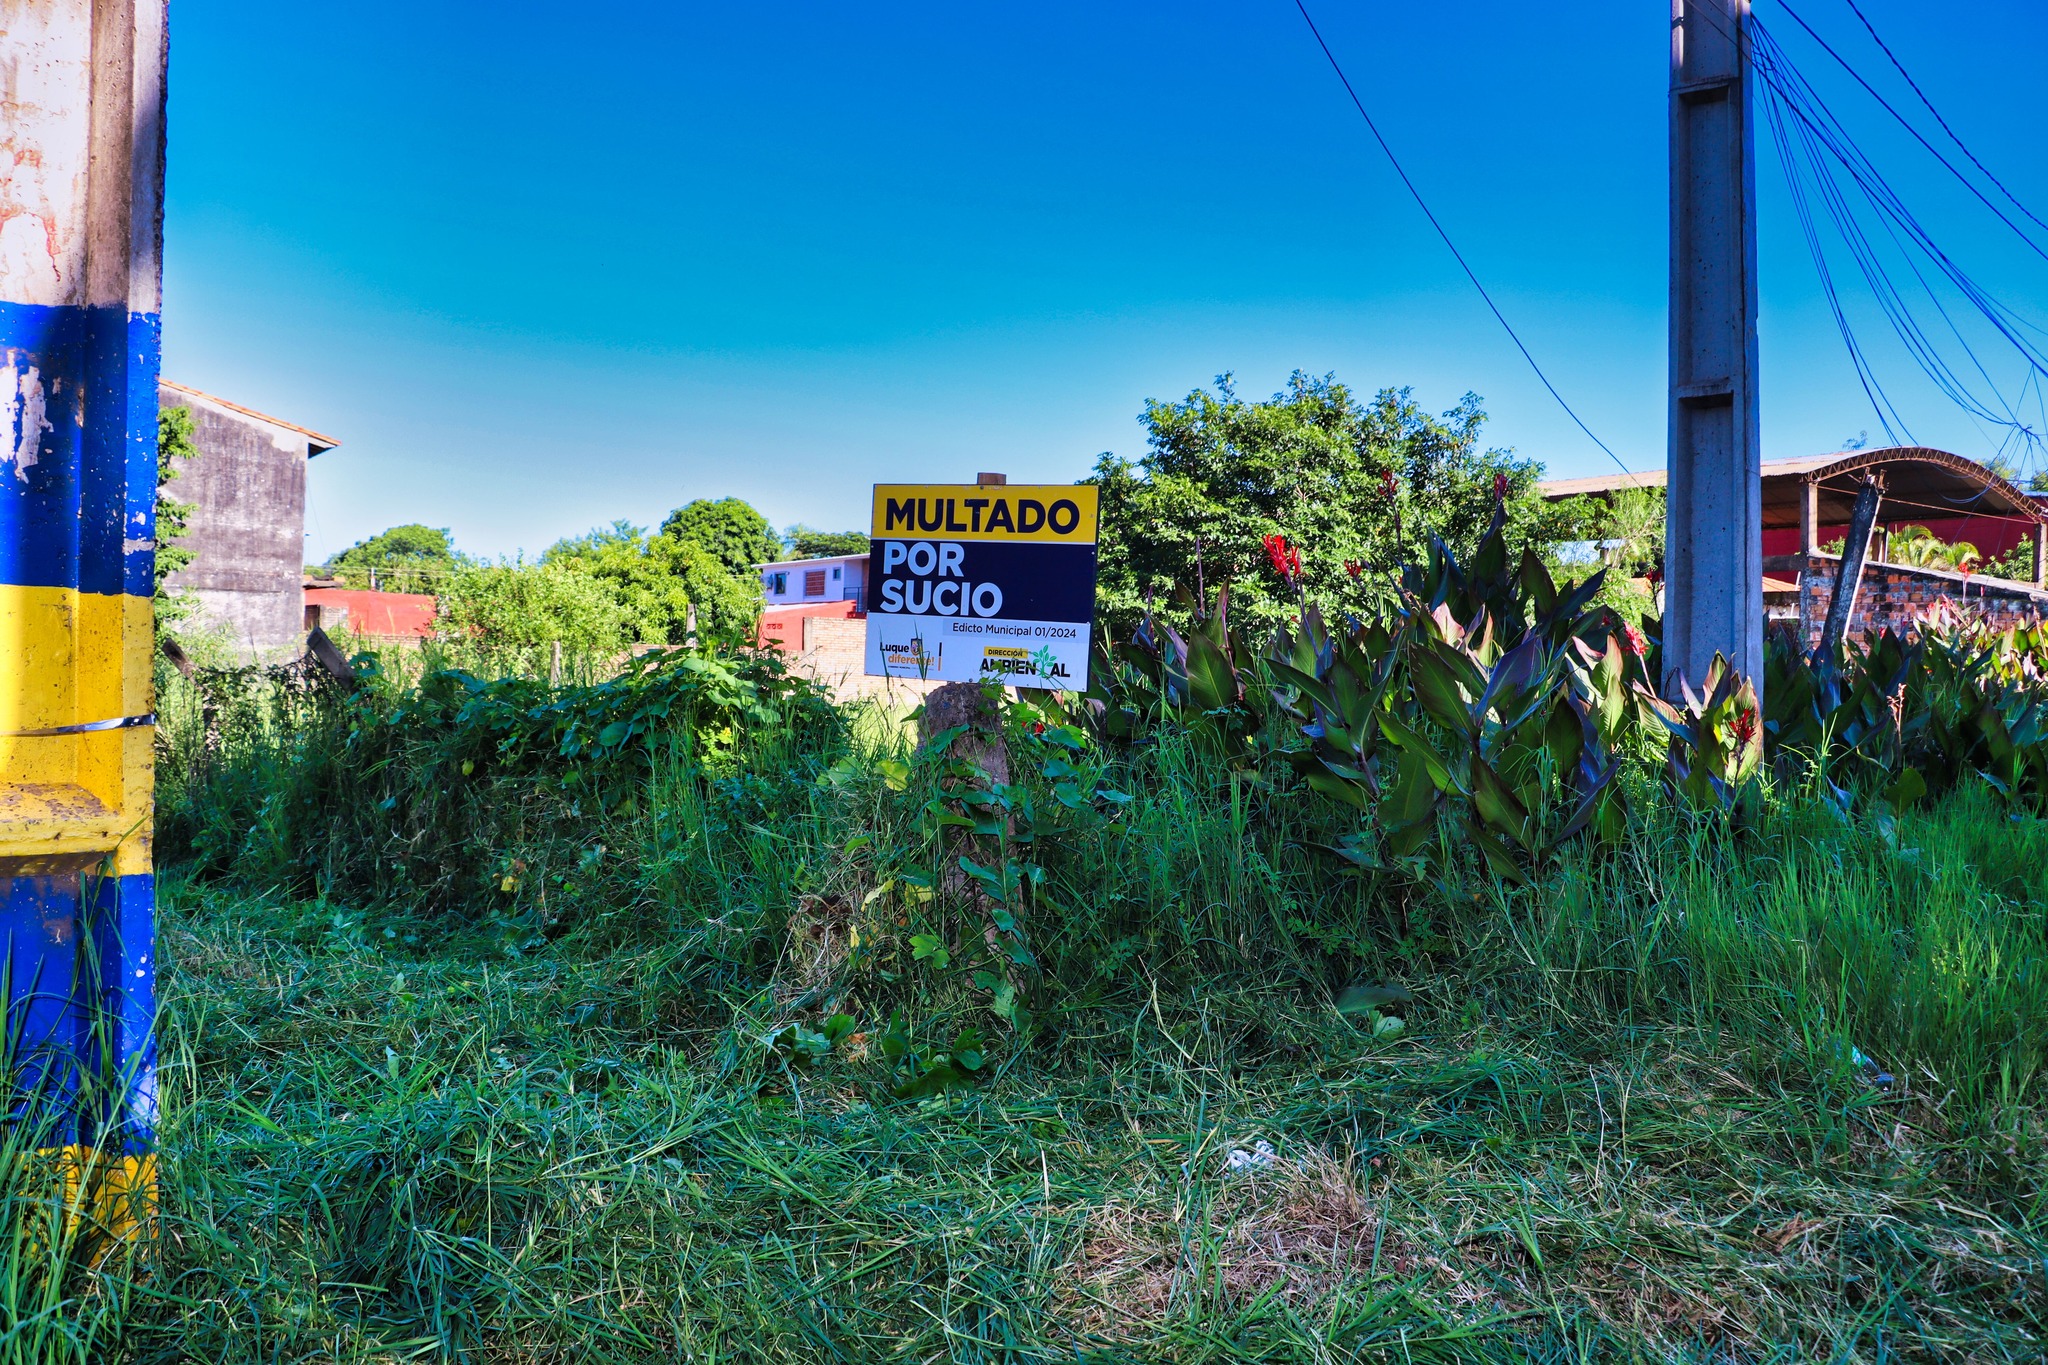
(1894, 596)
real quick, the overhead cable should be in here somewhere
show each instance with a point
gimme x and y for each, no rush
(1457, 255)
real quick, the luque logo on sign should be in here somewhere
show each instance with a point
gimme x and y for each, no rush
(970, 582)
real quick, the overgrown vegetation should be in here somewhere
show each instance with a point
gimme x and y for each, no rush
(1370, 966)
(686, 1015)
(175, 449)
(592, 594)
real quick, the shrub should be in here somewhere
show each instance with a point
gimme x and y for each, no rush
(514, 613)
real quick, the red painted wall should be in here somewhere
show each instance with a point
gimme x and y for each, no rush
(402, 614)
(782, 627)
(1992, 536)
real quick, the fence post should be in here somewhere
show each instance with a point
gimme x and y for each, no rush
(1842, 606)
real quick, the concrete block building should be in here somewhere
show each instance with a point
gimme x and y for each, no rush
(816, 611)
(247, 532)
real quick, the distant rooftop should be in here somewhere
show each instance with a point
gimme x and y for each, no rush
(814, 559)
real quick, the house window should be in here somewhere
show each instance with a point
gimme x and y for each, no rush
(835, 575)
(778, 583)
(814, 582)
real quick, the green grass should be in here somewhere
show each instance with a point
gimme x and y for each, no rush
(1625, 1120)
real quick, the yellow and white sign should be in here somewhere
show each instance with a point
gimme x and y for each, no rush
(969, 583)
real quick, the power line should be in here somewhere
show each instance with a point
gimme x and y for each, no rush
(1812, 141)
(1932, 151)
(1457, 255)
(1928, 104)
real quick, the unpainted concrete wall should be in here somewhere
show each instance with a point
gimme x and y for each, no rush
(248, 525)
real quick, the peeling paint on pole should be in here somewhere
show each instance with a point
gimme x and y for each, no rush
(81, 202)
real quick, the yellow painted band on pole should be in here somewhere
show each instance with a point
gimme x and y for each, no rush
(63, 798)
(102, 1199)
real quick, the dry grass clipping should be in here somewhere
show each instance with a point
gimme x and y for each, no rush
(1299, 1229)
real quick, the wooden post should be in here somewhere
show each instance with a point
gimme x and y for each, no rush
(2040, 551)
(1854, 551)
(979, 746)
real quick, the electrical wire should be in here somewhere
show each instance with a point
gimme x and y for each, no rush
(1903, 122)
(1814, 130)
(1812, 144)
(1872, 389)
(1928, 104)
(1445, 236)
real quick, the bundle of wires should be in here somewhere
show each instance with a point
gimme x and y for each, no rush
(1831, 179)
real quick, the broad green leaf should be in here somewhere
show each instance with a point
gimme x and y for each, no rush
(1497, 804)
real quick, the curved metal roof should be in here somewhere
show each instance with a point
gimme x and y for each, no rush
(1919, 482)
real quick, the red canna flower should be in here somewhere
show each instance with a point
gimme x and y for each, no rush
(1637, 645)
(1353, 567)
(1285, 561)
(1500, 488)
(1037, 727)
(1388, 486)
(1744, 727)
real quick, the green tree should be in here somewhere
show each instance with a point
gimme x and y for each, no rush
(513, 613)
(1355, 487)
(410, 558)
(1626, 527)
(808, 542)
(643, 575)
(728, 608)
(735, 534)
(174, 449)
(657, 579)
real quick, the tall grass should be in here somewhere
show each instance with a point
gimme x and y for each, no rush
(1634, 1112)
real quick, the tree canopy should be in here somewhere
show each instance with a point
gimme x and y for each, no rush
(656, 579)
(808, 542)
(513, 613)
(1354, 488)
(643, 576)
(736, 535)
(410, 558)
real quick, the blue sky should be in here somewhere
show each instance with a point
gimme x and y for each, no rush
(538, 272)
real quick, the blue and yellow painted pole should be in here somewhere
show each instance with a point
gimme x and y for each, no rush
(80, 249)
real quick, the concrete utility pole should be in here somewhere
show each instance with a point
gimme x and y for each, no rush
(81, 231)
(1713, 545)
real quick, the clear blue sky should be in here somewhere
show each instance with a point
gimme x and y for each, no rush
(539, 268)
